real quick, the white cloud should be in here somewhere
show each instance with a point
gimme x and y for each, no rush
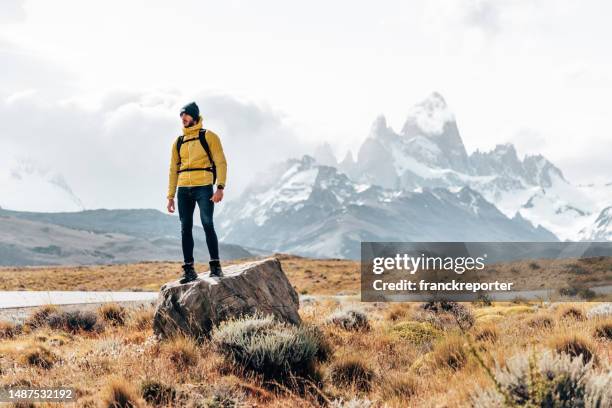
(117, 156)
(11, 11)
(86, 88)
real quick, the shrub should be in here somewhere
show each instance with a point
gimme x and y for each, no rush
(269, 347)
(351, 371)
(8, 330)
(40, 316)
(157, 393)
(417, 332)
(118, 393)
(603, 330)
(483, 299)
(534, 265)
(461, 314)
(113, 313)
(603, 310)
(349, 319)
(577, 291)
(547, 380)
(38, 356)
(74, 321)
(576, 269)
(225, 396)
(575, 345)
(571, 312)
(540, 321)
(450, 353)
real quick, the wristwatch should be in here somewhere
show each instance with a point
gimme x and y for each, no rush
(220, 186)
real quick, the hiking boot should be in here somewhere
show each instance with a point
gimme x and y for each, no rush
(215, 268)
(189, 273)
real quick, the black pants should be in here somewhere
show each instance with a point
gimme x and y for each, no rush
(187, 199)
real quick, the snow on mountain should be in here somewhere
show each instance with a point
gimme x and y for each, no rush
(26, 186)
(429, 152)
(601, 230)
(315, 210)
(324, 154)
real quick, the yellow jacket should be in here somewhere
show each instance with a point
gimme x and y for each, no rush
(193, 155)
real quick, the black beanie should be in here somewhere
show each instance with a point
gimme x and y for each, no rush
(192, 110)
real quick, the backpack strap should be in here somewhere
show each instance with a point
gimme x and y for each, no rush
(207, 150)
(179, 142)
(204, 143)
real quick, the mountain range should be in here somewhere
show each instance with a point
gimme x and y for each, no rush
(416, 184)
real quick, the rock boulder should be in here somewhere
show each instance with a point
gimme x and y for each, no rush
(196, 307)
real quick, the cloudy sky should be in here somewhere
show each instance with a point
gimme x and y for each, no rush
(92, 89)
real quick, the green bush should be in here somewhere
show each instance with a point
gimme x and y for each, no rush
(417, 332)
(269, 347)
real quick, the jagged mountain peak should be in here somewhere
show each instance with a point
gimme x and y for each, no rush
(429, 117)
(601, 230)
(324, 154)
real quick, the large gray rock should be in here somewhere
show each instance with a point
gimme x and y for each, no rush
(196, 307)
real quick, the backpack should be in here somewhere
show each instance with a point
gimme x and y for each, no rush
(204, 143)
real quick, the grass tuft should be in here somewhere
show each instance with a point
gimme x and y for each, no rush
(119, 393)
(450, 353)
(113, 313)
(575, 345)
(38, 356)
(351, 371)
(157, 393)
(603, 330)
(181, 351)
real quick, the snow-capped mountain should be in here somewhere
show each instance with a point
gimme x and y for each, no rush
(315, 210)
(24, 186)
(429, 152)
(601, 230)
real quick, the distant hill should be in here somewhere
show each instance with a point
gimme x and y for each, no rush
(97, 236)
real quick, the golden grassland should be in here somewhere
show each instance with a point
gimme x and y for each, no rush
(309, 276)
(401, 359)
(400, 356)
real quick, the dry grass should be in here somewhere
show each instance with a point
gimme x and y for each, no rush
(408, 357)
(8, 330)
(571, 312)
(119, 393)
(603, 330)
(181, 352)
(574, 344)
(113, 313)
(309, 276)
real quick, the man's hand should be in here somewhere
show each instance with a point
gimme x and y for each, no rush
(217, 196)
(170, 205)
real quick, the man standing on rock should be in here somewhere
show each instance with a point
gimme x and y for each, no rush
(197, 163)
